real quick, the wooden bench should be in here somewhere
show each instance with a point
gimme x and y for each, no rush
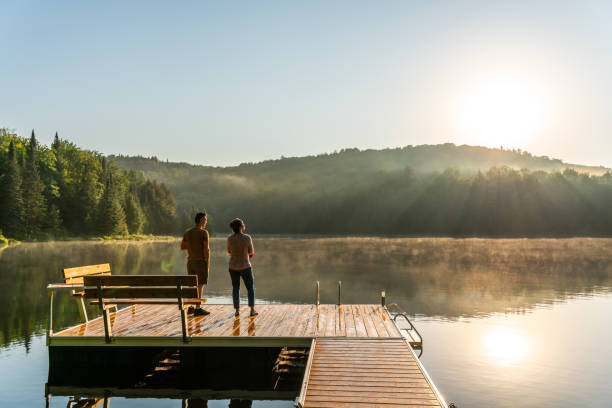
(181, 290)
(75, 276)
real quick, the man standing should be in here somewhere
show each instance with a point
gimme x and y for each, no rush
(195, 241)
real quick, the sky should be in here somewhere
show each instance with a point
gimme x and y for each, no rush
(230, 82)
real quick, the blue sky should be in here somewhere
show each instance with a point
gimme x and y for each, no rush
(230, 82)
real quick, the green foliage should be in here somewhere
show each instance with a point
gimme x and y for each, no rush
(111, 217)
(11, 195)
(159, 207)
(133, 215)
(396, 191)
(64, 191)
(33, 198)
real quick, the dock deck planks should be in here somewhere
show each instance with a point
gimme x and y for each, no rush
(274, 321)
(354, 372)
(360, 358)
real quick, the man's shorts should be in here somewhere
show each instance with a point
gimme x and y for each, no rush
(200, 269)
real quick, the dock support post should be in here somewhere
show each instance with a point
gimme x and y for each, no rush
(317, 294)
(50, 329)
(383, 299)
(181, 306)
(105, 315)
(339, 293)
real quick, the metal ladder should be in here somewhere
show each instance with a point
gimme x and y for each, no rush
(410, 333)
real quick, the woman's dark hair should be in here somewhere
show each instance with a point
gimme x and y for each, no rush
(199, 216)
(236, 225)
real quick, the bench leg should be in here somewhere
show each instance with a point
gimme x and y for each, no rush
(84, 310)
(184, 325)
(107, 325)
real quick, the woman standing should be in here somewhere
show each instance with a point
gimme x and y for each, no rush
(240, 248)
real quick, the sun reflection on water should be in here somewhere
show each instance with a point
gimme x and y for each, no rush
(505, 346)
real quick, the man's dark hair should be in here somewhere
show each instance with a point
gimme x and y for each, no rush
(236, 225)
(199, 217)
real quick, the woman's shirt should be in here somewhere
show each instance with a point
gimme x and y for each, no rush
(239, 246)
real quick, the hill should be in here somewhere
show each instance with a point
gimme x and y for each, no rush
(430, 189)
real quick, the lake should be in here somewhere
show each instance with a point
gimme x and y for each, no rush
(505, 322)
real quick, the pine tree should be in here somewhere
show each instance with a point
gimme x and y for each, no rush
(58, 189)
(11, 198)
(134, 217)
(33, 198)
(111, 218)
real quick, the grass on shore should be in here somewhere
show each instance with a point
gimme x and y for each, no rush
(5, 242)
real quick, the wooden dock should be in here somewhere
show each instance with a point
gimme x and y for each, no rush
(355, 372)
(276, 325)
(358, 356)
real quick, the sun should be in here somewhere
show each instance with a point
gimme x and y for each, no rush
(500, 112)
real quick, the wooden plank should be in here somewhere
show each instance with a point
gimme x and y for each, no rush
(255, 325)
(331, 404)
(368, 322)
(378, 323)
(339, 382)
(80, 271)
(380, 389)
(281, 326)
(388, 322)
(321, 321)
(349, 322)
(359, 324)
(311, 323)
(141, 280)
(140, 292)
(330, 326)
(371, 400)
(403, 399)
(340, 323)
(299, 323)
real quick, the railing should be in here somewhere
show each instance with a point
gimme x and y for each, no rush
(416, 340)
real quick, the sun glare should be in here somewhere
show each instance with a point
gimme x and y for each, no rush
(499, 112)
(505, 346)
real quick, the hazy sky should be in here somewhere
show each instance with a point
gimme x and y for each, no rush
(228, 82)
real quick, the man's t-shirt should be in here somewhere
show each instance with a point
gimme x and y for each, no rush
(196, 238)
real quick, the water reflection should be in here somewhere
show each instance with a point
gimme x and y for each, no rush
(505, 346)
(476, 301)
(433, 277)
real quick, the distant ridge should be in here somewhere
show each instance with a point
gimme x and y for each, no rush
(421, 158)
(428, 190)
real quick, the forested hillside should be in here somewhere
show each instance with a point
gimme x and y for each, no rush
(64, 191)
(441, 190)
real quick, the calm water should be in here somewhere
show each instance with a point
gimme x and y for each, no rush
(505, 322)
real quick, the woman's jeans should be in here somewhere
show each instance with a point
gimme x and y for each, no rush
(247, 277)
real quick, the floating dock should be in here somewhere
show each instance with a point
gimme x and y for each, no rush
(358, 356)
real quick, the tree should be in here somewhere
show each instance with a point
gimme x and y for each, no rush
(111, 218)
(57, 189)
(134, 216)
(11, 198)
(33, 198)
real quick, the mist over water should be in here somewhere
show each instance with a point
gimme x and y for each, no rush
(498, 316)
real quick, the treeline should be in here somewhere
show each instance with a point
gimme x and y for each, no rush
(63, 191)
(340, 194)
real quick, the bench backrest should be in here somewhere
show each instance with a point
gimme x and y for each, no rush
(76, 275)
(141, 286)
